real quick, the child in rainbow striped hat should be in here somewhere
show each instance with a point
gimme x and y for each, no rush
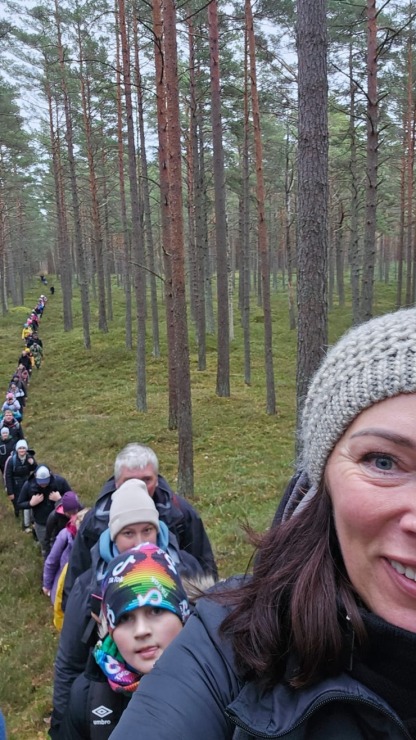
(144, 608)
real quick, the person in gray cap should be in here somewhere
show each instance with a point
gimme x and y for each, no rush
(320, 641)
(40, 493)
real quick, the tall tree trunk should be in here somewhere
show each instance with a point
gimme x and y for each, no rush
(288, 236)
(62, 231)
(146, 197)
(223, 339)
(339, 254)
(202, 227)
(371, 166)
(198, 205)
(312, 233)
(164, 201)
(137, 236)
(245, 252)
(262, 225)
(354, 244)
(95, 208)
(82, 272)
(123, 205)
(183, 375)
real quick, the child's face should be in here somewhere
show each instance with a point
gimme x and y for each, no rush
(143, 634)
(136, 534)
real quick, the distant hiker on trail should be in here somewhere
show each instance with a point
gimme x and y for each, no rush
(14, 426)
(64, 509)
(24, 360)
(37, 354)
(7, 444)
(12, 404)
(40, 494)
(26, 332)
(19, 466)
(60, 552)
(19, 391)
(34, 339)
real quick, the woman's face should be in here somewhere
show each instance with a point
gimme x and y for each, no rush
(371, 477)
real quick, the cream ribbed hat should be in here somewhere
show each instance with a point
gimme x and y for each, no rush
(371, 362)
(131, 504)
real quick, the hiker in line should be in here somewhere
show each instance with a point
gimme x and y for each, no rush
(139, 462)
(59, 554)
(39, 494)
(144, 608)
(19, 466)
(133, 519)
(58, 519)
(7, 444)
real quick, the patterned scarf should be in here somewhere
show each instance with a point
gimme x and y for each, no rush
(119, 675)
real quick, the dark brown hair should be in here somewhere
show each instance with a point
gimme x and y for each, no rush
(296, 602)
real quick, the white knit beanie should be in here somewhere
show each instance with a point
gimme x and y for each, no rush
(131, 504)
(371, 362)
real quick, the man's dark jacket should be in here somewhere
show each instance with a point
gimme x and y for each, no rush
(30, 488)
(177, 513)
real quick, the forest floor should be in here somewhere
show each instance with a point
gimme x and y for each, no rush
(81, 411)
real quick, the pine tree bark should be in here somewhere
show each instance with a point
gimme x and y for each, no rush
(183, 376)
(223, 338)
(146, 197)
(82, 272)
(137, 236)
(164, 201)
(123, 204)
(198, 206)
(312, 232)
(262, 225)
(95, 208)
(367, 289)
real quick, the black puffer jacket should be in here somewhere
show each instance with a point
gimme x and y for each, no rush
(17, 472)
(41, 511)
(94, 709)
(6, 449)
(208, 700)
(177, 513)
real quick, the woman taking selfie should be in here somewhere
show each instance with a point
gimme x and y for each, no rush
(320, 642)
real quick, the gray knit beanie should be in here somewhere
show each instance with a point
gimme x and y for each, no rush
(131, 504)
(371, 362)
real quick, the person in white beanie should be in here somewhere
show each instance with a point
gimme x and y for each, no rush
(18, 468)
(133, 520)
(320, 641)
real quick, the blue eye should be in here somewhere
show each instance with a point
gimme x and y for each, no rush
(383, 462)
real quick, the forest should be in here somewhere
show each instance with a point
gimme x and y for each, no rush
(216, 191)
(206, 156)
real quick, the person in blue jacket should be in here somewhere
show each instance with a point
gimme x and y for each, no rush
(320, 641)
